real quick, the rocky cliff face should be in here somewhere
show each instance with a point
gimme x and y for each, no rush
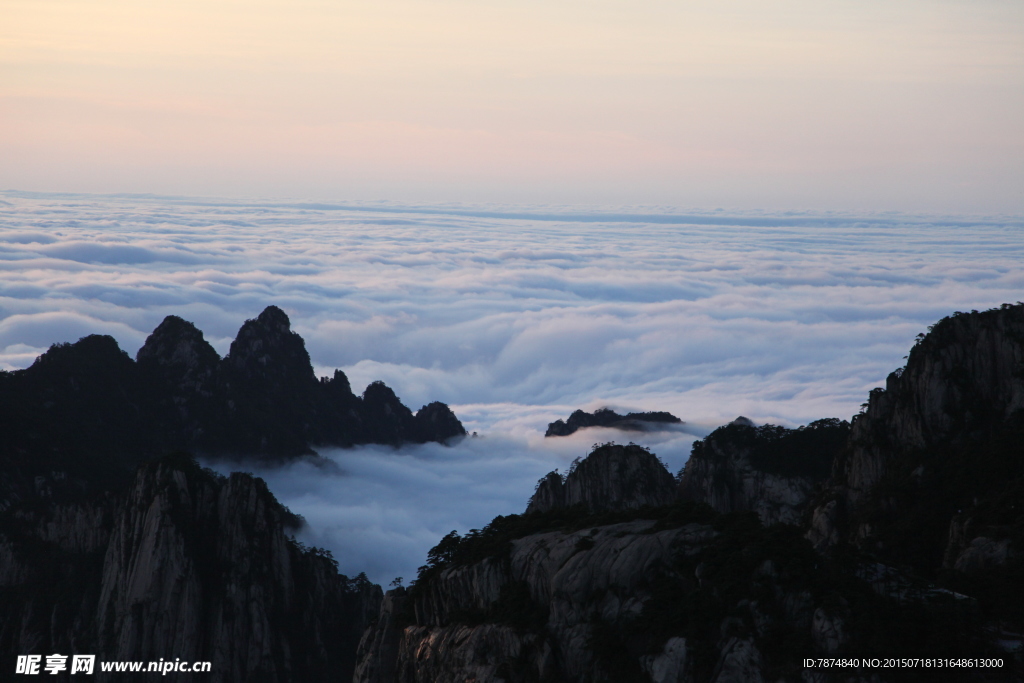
(107, 548)
(769, 470)
(545, 602)
(613, 477)
(189, 565)
(928, 477)
(78, 410)
(178, 356)
(963, 380)
(377, 656)
(685, 595)
(941, 445)
(435, 422)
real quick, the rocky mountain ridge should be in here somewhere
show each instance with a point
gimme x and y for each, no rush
(546, 588)
(943, 445)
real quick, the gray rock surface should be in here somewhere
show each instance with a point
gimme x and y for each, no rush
(605, 578)
(740, 662)
(377, 656)
(983, 552)
(459, 653)
(962, 380)
(828, 631)
(723, 476)
(188, 565)
(669, 666)
(177, 353)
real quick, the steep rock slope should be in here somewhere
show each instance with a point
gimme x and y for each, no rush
(79, 412)
(672, 594)
(519, 601)
(963, 380)
(108, 548)
(179, 368)
(532, 615)
(269, 388)
(933, 476)
(190, 565)
(769, 470)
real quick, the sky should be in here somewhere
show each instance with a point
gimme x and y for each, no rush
(514, 315)
(861, 106)
(519, 208)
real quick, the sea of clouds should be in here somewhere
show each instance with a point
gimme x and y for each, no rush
(515, 316)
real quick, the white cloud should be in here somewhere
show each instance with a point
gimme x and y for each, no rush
(379, 509)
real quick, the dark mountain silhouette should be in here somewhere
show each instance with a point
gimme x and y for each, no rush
(605, 417)
(87, 405)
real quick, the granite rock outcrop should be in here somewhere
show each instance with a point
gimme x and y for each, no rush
(551, 592)
(605, 591)
(189, 564)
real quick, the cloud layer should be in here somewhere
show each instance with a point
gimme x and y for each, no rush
(514, 315)
(379, 510)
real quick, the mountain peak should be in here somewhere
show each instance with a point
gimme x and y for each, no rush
(612, 477)
(273, 318)
(266, 346)
(177, 342)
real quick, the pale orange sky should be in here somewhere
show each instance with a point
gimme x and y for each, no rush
(849, 105)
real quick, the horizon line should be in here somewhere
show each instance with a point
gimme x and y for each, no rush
(713, 217)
